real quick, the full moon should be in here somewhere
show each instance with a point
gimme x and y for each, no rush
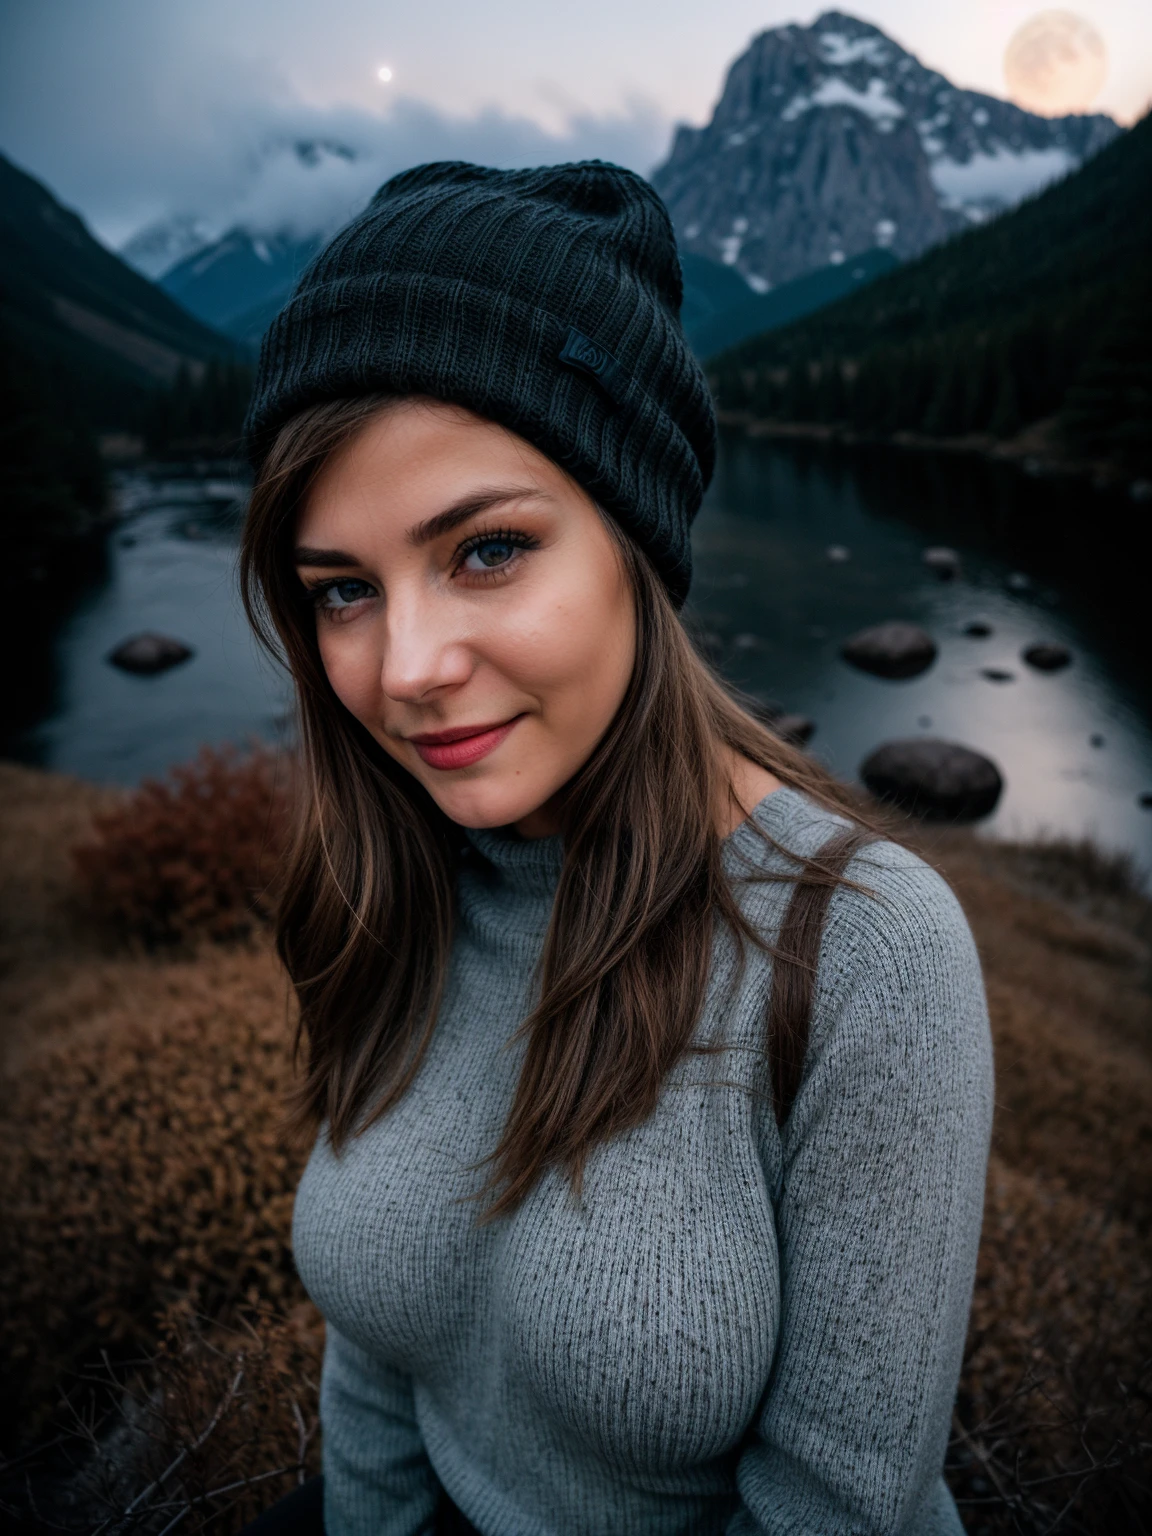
(1055, 63)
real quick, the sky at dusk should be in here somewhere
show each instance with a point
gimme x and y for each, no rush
(135, 110)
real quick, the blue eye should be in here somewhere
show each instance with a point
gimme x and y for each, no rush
(343, 592)
(489, 553)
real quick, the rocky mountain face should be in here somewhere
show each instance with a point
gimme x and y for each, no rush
(831, 140)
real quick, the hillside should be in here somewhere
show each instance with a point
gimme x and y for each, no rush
(107, 334)
(1045, 311)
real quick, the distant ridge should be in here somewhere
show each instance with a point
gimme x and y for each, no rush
(1045, 311)
(79, 308)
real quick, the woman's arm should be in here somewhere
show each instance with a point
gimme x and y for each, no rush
(378, 1480)
(884, 1159)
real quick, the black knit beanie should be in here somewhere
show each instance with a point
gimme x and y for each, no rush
(547, 300)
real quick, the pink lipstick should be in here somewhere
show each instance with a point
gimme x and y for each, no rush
(463, 746)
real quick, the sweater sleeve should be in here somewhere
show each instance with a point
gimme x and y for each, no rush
(378, 1480)
(878, 1220)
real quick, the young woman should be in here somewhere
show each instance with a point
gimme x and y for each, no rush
(652, 1095)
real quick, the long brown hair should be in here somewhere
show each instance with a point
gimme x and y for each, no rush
(365, 921)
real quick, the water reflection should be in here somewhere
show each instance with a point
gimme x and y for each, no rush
(775, 591)
(171, 569)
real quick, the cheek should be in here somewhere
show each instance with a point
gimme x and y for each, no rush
(353, 667)
(573, 648)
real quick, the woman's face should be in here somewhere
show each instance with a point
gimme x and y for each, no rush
(472, 609)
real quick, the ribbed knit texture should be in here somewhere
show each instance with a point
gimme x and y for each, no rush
(733, 1331)
(463, 282)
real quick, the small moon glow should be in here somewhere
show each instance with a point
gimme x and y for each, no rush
(1055, 63)
(384, 73)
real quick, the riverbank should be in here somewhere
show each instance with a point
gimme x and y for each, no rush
(1038, 451)
(144, 1171)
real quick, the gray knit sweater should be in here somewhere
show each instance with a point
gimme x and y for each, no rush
(734, 1330)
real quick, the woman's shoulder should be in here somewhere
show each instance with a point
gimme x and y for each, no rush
(893, 910)
(899, 992)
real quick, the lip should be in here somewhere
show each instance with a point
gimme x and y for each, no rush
(463, 745)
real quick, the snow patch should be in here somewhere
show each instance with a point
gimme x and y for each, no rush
(730, 249)
(980, 118)
(885, 231)
(757, 283)
(837, 258)
(840, 50)
(875, 102)
(1000, 177)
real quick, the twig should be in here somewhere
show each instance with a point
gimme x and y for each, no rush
(179, 1459)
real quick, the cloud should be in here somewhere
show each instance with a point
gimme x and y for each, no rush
(305, 171)
(160, 123)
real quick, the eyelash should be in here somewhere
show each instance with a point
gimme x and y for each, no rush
(492, 536)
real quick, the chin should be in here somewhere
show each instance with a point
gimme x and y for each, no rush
(478, 804)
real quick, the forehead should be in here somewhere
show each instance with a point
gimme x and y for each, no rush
(416, 457)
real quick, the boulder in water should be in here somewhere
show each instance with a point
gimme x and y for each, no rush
(997, 675)
(978, 629)
(938, 780)
(945, 562)
(892, 650)
(149, 653)
(1047, 656)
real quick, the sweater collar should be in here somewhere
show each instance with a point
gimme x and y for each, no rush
(529, 866)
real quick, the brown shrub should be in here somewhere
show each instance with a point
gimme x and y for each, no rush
(142, 1161)
(192, 856)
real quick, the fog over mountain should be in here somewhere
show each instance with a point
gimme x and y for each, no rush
(293, 171)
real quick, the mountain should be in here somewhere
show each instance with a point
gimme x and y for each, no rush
(831, 140)
(240, 281)
(108, 334)
(1046, 312)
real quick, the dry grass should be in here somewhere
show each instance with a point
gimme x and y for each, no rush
(143, 1176)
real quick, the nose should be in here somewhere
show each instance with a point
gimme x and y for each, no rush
(425, 652)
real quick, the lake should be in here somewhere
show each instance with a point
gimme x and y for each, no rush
(1075, 747)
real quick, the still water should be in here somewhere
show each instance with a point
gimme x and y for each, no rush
(1074, 747)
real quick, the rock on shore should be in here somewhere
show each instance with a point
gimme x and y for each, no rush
(939, 780)
(149, 653)
(893, 650)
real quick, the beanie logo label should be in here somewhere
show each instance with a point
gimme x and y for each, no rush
(586, 357)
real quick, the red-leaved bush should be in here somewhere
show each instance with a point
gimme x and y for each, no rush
(192, 856)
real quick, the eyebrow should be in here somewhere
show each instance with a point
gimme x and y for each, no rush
(432, 527)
